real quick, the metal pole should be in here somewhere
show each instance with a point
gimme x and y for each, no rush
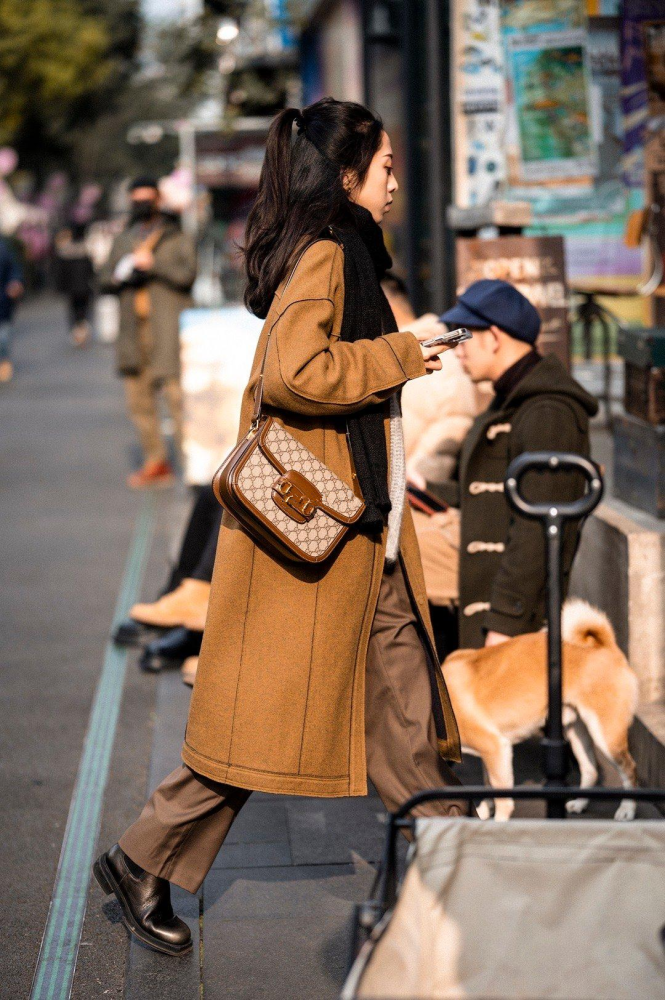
(553, 516)
(411, 116)
(554, 747)
(440, 153)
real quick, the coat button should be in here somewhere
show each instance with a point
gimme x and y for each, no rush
(518, 607)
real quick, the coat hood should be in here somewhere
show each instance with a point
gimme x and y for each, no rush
(550, 378)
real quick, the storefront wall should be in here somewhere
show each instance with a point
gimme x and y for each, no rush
(332, 53)
(537, 117)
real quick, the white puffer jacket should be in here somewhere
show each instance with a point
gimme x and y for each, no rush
(437, 412)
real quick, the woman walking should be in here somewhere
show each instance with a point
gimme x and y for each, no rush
(311, 677)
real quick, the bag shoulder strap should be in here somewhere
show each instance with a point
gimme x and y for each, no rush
(258, 391)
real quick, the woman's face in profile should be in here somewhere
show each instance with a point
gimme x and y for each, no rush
(376, 192)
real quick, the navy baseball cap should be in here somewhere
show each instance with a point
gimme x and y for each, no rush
(495, 303)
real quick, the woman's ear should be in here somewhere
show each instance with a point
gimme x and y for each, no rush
(349, 181)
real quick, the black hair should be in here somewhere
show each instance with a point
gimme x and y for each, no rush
(144, 182)
(301, 190)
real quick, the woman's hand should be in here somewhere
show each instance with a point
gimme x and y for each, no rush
(431, 354)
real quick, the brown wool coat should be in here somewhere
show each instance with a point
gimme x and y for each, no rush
(278, 704)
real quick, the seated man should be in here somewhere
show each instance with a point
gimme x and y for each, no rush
(537, 407)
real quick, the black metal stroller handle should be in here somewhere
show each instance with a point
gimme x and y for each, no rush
(553, 516)
(553, 461)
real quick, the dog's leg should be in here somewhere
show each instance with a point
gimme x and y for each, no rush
(486, 807)
(498, 758)
(496, 753)
(626, 768)
(616, 751)
(582, 747)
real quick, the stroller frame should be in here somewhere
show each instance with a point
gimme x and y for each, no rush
(554, 746)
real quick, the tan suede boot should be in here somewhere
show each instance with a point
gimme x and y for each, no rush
(188, 670)
(187, 605)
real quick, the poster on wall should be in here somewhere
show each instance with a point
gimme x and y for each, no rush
(550, 133)
(519, 16)
(551, 105)
(653, 33)
(479, 101)
(635, 95)
(217, 347)
(533, 264)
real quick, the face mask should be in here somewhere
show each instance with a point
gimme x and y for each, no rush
(142, 211)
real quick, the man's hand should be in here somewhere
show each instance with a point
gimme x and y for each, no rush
(416, 479)
(495, 638)
(143, 259)
(14, 289)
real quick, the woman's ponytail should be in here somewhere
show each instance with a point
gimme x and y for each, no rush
(275, 174)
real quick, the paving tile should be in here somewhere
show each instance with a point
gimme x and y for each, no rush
(260, 822)
(253, 855)
(267, 893)
(280, 933)
(335, 831)
(170, 721)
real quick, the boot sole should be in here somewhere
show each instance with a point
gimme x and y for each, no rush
(109, 886)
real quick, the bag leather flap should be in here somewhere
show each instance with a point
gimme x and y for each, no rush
(286, 453)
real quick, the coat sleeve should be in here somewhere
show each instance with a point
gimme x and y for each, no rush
(176, 265)
(520, 582)
(106, 281)
(309, 369)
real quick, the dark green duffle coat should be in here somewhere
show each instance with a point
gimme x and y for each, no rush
(502, 555)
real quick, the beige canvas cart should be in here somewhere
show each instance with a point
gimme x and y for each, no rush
(563, 909)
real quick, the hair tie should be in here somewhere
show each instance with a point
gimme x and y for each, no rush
(299, 122)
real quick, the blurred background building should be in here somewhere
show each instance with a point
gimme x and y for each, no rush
(528, 116)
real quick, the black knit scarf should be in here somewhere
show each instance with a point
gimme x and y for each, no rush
(367, 315)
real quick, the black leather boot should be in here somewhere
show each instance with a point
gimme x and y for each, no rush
(145, 901)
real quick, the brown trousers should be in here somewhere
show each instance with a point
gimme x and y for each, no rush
(142, 398)
(186, 820)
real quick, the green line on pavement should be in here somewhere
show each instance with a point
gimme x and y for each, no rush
(56, 964)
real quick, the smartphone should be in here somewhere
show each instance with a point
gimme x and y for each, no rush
(425, 501)
(451, 337)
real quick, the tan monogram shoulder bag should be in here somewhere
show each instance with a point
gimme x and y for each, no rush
(281, 494)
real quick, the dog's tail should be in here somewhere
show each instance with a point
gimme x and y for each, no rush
(584, 625)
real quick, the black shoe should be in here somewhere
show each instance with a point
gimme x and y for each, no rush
(145, 901)
(171, 649)
(131, 633)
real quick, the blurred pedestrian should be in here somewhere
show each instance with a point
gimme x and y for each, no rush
(75, 277)
(11, 289)
(436, 416)
(537, 407)
(152, 267)
(311, 677)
